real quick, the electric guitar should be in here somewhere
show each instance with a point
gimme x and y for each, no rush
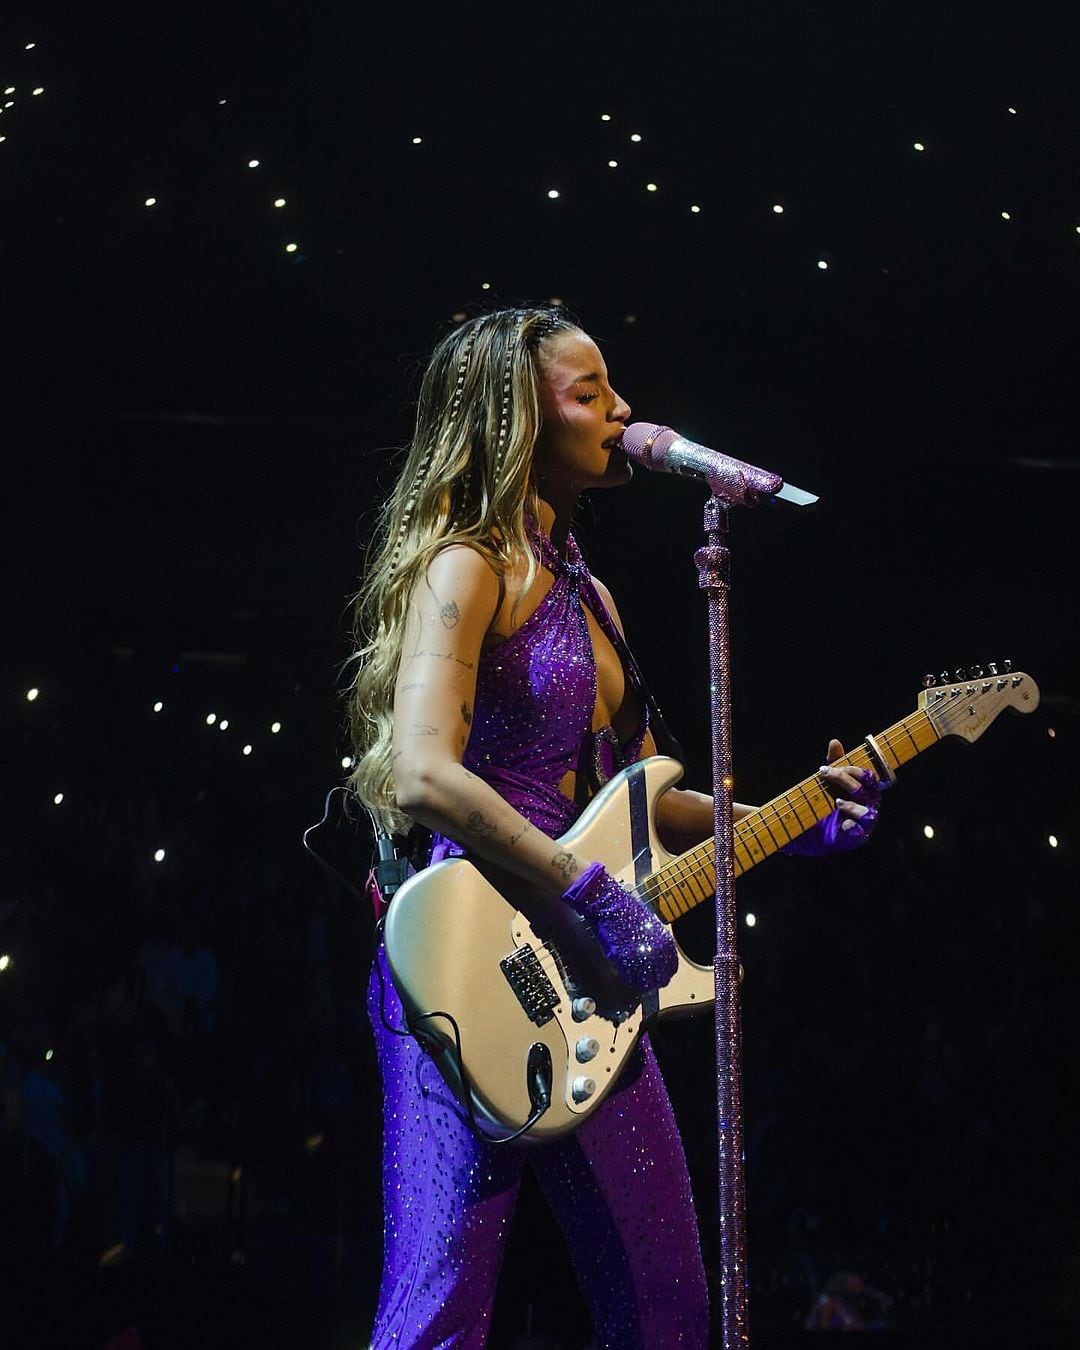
(511, 993)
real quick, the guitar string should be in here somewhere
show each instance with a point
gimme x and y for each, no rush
(685, 870)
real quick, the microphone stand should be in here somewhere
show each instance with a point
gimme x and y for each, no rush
(732, 484)
(714, 578)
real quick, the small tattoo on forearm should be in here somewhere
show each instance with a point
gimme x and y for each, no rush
(449, 614)
(423, 729)
(566, 865)
(441, 656)
(466, 714)
(478, 823)
(406, 687)
(522, 832)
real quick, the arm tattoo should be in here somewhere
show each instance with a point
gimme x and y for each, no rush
(450, 614)
(478, 823)
(423, 729)
(566, 865)
(522, 832)
(405, 687)
(466, 714)
(442, 656)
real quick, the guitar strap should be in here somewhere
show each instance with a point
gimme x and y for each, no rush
(665, 739)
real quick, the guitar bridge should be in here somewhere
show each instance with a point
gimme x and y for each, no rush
(533, 989)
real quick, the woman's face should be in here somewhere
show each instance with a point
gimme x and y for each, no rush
(582, 418)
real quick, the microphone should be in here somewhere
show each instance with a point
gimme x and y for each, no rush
(663, 450)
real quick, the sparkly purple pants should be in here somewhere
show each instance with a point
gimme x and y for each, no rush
(618, 1187)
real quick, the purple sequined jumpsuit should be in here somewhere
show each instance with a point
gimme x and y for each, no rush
(618, 1185)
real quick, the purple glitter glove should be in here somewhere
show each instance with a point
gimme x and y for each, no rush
(634, 940)
(838, 833)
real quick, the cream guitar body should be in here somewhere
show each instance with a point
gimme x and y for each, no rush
(512, 994)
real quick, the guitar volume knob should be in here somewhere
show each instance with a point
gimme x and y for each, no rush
(582, 1089)
(587, 1048)
(582, 1008)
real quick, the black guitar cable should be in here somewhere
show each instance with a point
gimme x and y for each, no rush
(538, 1071)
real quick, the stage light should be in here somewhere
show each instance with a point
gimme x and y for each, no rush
(485, 285)
(650, 187)
(48, 1055)
(605, 117)
(5, 961)
(1005, 215)
(695, 210)
(158, 706)
(291, 248)
(253, 163)
(150, 201)
(38, 90)
(1051, 732)
(553, 193)
(751, 920)
(275, 727)
(823, 265)
(29, 46)
(778, 210)
(9, 90)
(1052, 840)
(279, 202)
(635, 137)
(247, 750)
(159, 855)
(58, 799)
(211, 718)
(10, 103)
(223, 725)
(928, 831)
(221, 102)
(418, 140)
(31, 695)
(1013, 111)
(918, 145)
(346, 761)
(613, 163)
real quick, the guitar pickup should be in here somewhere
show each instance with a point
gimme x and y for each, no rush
(533, 989)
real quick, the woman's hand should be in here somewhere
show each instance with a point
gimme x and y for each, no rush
(854, 816)
(634, 940)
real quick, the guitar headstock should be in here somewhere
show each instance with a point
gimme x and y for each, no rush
(967, 706)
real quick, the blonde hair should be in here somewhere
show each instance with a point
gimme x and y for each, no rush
(467, 479)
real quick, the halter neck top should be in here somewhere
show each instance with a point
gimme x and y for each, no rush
(535, 697)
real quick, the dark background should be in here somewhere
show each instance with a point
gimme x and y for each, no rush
(197, 428)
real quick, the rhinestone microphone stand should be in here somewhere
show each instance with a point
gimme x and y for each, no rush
(731, 483)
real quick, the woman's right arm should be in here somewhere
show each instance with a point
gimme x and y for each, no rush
(451, 609)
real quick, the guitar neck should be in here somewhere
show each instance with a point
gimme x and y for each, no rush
(680, 885)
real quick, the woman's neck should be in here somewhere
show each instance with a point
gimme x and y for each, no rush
(555, 522)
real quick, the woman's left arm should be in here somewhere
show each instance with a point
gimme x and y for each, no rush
(684, 817)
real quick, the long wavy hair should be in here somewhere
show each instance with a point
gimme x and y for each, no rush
(467, 478)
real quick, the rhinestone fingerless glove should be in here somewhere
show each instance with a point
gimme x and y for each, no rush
(838, 833)
(634, 940)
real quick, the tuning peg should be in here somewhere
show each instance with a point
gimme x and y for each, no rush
(959, 675)
(944, 677)
(1008, 666)
(928, 681)
(975, 673)
(991, 666)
